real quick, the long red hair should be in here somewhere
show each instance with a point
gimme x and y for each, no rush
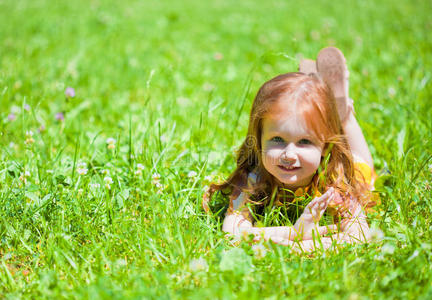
(315, 102)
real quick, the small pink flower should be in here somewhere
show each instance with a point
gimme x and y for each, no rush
(218, 56)
(70, 92)
(59, 116)
(11, 117)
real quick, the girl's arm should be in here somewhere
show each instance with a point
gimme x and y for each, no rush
(237, 224)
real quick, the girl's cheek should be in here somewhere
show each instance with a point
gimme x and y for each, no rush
(271, 157)
(272, 153)
(314, 152)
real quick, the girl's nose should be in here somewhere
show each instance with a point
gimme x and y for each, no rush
(289, 154)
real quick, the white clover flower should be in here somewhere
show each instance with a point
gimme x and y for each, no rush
(29, 137)
(164, 138)
(156, 176)
(388, 249)
(81, 169)
(15, 109)
(391, 91)
(376, 234)
(111, 143)
(259, 251)
(108, 180)
(208, 178)
(110, 140)
(23, 177)
(29, 141)
(140, 168)
(200, 264)
(208, 87)
(192, 174)
(105, 172)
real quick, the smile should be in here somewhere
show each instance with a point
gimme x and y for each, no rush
(288, 168)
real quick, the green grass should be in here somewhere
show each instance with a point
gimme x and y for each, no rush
(173, 82)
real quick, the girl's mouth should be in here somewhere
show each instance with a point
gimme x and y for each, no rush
(288, 169)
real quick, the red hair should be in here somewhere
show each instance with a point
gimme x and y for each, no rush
(314, 100)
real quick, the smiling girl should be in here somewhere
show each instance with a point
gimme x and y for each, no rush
(303, 141)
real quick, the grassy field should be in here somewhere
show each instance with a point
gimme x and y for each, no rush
(100, 191)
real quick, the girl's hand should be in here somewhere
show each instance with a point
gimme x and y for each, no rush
(305, 245)
(308, 221)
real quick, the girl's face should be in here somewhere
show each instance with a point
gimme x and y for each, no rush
(291, 153)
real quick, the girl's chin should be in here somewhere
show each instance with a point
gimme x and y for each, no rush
(293, 182)
(289, 181)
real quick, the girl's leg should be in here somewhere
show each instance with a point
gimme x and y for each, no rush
(356, 139)
(331, 66)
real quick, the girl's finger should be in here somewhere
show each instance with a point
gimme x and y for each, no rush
(322, 230)
(327, 194)
(323, 205)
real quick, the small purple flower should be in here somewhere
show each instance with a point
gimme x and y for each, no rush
(70, 92)
(27, 107)
(59, 116)
(11, 117)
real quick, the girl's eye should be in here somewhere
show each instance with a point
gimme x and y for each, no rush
(305, 142)
(277, 139)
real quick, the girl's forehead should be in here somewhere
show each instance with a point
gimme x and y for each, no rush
(285, 121)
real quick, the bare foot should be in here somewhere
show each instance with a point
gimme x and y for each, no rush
(331, 66)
